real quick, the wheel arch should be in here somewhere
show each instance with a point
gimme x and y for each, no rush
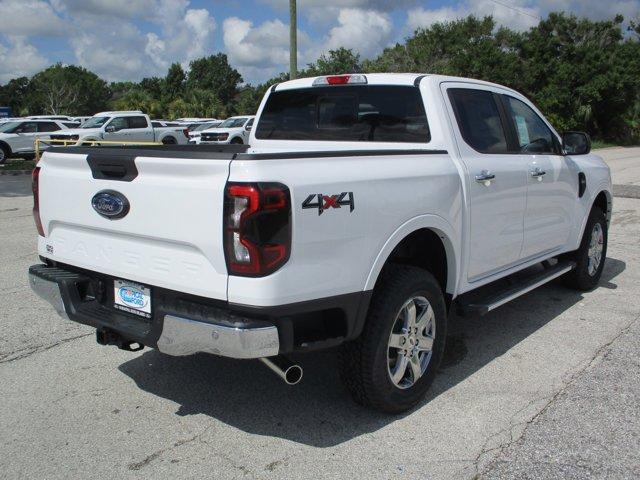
(604, 200)
(440, 256)
(6, 146)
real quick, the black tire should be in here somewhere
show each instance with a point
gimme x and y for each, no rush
(169, 141)
(583, 277)
(237, 141)
(365, 363)
(5, 152)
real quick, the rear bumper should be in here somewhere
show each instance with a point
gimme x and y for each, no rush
(74, 297)
(183, 324)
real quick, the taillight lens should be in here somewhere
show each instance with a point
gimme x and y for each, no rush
(186, 132)
(35, 188)
(257, 229)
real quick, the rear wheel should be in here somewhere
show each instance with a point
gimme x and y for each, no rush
(393, 363)
(591, 255)
(4, 153)
(169, 141)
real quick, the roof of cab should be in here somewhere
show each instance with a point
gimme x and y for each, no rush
(388, 79)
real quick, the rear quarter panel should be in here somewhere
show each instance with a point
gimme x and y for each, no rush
(340, 251)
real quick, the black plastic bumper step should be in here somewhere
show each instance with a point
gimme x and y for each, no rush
(481, 305)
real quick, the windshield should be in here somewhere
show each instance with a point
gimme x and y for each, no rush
(373, 113)
(233, 122)
(204, 126)
(6, 127)
(95, 122)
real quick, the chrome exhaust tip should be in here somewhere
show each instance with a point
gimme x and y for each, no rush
(290, 372)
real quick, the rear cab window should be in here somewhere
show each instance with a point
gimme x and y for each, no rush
(479, 120)
(137, 122)
(365, 113)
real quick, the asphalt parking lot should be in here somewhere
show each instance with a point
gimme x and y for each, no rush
(547, 386)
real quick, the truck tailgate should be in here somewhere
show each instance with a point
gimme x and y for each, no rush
(172, 235)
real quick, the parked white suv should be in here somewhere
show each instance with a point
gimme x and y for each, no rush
(17, 137)
(367, 207)
(133, 126)
(233, 130)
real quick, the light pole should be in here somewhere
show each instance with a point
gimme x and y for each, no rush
(293, 40)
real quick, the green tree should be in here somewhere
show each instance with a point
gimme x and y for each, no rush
(470, 47)
(14, 95)
(154, 86)
(215, 74)
(581, 73)
(139, 99)
(67, 89)
(174, 82)
(342, 60)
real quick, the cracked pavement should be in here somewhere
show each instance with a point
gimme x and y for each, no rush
(544, 387)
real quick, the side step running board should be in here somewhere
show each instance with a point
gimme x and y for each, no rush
(485, 305)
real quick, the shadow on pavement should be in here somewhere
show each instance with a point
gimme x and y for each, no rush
(15, 185)
(319, 411)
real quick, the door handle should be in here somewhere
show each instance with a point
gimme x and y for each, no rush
(538, 173)
(485, 177)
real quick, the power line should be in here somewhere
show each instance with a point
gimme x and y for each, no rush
(515, 9)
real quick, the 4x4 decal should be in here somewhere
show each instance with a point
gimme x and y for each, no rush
(324, 202)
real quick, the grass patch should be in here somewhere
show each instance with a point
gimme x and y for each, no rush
(18, 164)
(595, 144)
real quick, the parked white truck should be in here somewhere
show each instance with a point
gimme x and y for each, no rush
(130, 126)
(234, 130)
(368, 207)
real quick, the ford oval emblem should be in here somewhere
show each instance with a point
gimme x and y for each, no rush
(110, 204)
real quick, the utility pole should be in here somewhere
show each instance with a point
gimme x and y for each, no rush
(293, 40)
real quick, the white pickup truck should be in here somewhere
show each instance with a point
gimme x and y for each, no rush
(130, 126)
(368, 208)
(234, 130)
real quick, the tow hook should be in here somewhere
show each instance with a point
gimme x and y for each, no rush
(109, 337)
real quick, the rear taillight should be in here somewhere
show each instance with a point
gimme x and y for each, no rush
(35, 188)
(186, 132)
(257, 228)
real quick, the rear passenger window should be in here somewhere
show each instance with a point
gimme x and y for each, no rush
(534, 136)
(48, 127)
(479, 120)
(137, 122)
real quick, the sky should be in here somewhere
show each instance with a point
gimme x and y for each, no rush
(133, 39)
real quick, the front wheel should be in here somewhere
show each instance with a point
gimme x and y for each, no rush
(393, 363)
(237, 141)
(591, 255)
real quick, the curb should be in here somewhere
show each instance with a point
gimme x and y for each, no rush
(15, 172)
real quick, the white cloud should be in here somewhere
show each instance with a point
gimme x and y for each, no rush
(114, 8)
(19, 58)
(365, 31)
(593, 9)
(521, 14)
(263, 51)
(518, 17)
(29, 17)
(109, 42)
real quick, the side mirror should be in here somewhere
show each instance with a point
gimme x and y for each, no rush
(576, 143)
(248, 128)
(110, 129)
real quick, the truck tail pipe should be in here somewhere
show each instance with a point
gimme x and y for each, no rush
(290, 372)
